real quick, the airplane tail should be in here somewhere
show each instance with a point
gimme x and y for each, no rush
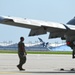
(43, 43)
(72, 21)
(40, 40)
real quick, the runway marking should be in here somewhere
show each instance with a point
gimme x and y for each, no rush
(4, 72)
(13, 72)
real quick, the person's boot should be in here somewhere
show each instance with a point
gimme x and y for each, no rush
(20, 68)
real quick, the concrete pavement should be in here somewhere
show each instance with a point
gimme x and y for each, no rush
(37, 64)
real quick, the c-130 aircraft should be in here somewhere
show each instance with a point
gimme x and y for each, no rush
(38, 27)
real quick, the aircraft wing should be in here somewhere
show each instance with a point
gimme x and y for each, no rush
(37, 27)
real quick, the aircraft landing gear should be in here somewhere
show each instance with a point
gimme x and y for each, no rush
(72, 69)
(73, 52)
(72, 45)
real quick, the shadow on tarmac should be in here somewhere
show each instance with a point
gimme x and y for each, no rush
(41, 72)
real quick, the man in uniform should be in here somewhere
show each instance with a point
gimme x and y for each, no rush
(21, 53)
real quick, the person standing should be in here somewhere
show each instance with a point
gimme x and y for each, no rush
(21, 53)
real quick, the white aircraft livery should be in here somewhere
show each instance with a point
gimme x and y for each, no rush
(64, 31)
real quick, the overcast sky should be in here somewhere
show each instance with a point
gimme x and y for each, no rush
(47, 10)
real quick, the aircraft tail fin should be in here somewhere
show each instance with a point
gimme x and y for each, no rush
(72, 21)
(40, 40)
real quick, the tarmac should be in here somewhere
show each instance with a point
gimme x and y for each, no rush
(38, 64)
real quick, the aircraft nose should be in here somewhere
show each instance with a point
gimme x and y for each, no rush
(1, 19)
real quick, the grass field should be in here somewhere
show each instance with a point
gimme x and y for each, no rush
(38, 52)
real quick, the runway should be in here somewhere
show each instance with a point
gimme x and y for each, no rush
(37, 64)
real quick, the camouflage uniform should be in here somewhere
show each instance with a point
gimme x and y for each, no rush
(21, 54)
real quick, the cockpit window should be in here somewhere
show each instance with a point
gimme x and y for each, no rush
(72, 21)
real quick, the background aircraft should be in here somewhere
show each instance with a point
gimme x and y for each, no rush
(55, 46)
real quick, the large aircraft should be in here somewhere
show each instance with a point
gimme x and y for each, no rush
(64, 31)
(49, 45)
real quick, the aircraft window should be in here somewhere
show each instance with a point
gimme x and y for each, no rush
(72, 22)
